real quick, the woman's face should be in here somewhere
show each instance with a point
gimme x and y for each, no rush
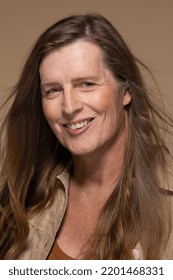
(81, 99)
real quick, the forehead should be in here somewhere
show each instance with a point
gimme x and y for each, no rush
(80, 56)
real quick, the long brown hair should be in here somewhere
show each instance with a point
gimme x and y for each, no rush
(31, 156)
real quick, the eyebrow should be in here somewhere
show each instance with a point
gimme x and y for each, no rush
(51, 84)
(75, 80)
(93, 78)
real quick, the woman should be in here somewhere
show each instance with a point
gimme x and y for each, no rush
(85, 173)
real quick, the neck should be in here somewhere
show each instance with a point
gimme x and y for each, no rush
(101, 168)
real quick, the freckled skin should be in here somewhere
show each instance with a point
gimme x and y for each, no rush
(67, 97)
(77, 86)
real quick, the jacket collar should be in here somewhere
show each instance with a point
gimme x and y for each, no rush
(64, 182)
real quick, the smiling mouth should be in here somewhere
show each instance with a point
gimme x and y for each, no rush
(79, 125)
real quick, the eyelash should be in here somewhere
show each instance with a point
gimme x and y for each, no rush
(88, 83)
(53, 90)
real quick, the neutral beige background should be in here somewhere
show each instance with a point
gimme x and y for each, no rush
(146, 25)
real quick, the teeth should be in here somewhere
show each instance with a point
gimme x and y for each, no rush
(77, 125)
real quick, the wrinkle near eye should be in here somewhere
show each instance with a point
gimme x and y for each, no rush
(106, 78)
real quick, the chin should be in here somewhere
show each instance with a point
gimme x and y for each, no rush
(81, 152)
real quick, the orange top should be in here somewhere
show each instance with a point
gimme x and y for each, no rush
(57, 254)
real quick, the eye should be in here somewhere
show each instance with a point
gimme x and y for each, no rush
(87, 85)
(52, 92)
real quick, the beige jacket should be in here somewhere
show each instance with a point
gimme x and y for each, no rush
(45, 226)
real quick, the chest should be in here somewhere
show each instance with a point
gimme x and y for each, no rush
(79, 223)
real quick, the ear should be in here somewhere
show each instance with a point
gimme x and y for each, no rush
(126, 97)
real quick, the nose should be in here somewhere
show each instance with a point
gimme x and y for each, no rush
(71, 104)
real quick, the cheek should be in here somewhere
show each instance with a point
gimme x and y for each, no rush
(114, 110)
(49, 110)
(103, 103)
(110, 103)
